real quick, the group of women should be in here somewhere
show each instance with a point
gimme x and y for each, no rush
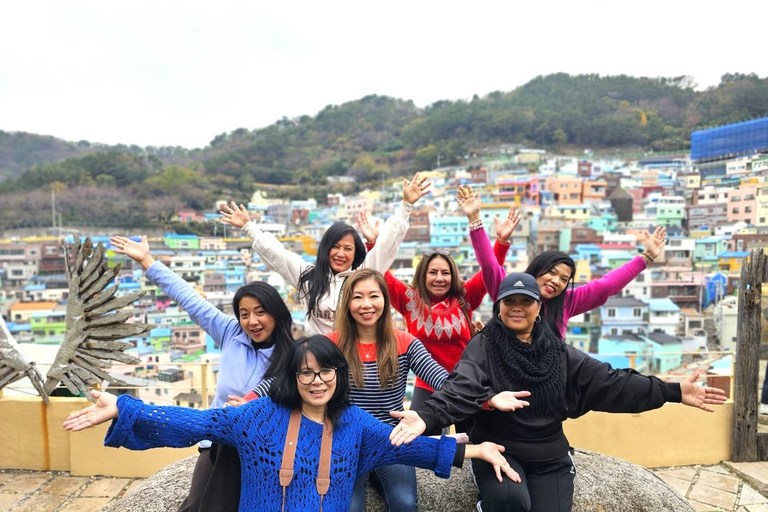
(511, 385)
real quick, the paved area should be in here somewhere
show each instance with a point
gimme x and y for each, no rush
(727, 487)
(50, 491)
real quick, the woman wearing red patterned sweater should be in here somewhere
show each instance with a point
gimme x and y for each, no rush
(441, 321)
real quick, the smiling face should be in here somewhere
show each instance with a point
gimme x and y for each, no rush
(342, 254)
(254, 319)
(518, 312)
(366, 303)
(554, 281)
(315, 396)
(438, 278)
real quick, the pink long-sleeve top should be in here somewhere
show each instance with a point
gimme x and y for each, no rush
(582, 299)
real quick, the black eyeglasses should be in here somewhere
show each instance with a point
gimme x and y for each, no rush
(308, 376)
(441, 252)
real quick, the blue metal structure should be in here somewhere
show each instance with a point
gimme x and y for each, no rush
(730, 141)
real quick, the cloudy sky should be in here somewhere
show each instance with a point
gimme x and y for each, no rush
(181, 72)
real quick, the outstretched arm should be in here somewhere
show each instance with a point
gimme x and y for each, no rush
(219, 325)
(287, 264)
(105, 409)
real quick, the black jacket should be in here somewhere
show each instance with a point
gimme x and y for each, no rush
(590, 385)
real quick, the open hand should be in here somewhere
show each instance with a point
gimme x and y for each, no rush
(234, 215)
(469, 201)
(137, 251)
(410, 427)
(655, 242)
(492, 454)
(699, 396)
(234, 401)
(415, 189)
(105, 409)
(508, 400)
(505, 227)
(369, 231)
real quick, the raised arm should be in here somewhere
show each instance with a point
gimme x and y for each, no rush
(219, 325)
(383, 254)
(287, 264)
(596, 293)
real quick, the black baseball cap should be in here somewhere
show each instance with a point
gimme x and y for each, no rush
(519, 282)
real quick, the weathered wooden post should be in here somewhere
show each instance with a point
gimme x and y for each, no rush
(747, 445)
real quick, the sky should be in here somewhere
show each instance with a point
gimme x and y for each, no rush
(177, 73)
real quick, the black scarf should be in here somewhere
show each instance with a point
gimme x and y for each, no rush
(534, 367)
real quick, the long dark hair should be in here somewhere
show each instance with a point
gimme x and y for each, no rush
(273, 304)
(285, 389)
(553, 308)
(314, 281)
(386, 337)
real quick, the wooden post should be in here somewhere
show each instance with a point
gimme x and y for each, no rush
(744, 444)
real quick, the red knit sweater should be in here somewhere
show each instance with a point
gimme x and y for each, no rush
(442, 327)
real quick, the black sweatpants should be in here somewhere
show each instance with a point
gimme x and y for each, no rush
(420, 395)
(545, 487)
(215, 481)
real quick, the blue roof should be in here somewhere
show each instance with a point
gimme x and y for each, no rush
(733, 254)
(34, 287)
(180, 237)
(661, 305)
(13, 327)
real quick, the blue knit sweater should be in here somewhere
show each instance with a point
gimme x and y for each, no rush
(258, 430)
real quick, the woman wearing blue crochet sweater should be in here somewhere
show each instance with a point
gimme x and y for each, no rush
(254, 346)
(301, 449)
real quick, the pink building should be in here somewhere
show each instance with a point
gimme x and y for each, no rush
(742, 204)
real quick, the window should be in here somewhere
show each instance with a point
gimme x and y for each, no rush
(637, 312)
(747, 209)
(611, 312)
(735, 210)
(614, 331)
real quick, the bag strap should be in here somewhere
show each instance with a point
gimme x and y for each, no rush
(323, 481)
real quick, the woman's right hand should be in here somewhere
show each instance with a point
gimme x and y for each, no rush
(369, 231)
(410, 427)
(137, 251)
(234, 215)
(415, 189)
(105, 409)
(235, 401)
(508, 400)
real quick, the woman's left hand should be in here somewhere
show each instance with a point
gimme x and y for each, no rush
(410, 427)
(504, 228)
(415, 189)
(469, 201)
(235, 401)
(492, 454)
(700, 396)
(654, 243)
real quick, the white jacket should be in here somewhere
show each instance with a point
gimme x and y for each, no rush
(291, 266)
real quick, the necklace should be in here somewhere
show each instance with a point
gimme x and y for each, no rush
(367, 351)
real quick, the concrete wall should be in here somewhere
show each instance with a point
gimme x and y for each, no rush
(32, 438)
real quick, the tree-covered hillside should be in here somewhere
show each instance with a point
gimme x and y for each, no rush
(372, 138)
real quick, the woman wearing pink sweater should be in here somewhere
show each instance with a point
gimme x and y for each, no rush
(554, 272)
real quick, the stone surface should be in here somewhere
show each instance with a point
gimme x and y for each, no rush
(65, 485)
(712, 496)
(85, 505)
(749, 496)
(756, 473)
(682, 474)
(602, 483)
(703, 507)
(9, 500)
(757, 508)
(719, 481)
(109, 487)
(26, 483)
(678, 484)
(41, 503)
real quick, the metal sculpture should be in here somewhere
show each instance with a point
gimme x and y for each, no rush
(14, 365)
(94, 322)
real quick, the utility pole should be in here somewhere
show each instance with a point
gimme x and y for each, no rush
(53, 206)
